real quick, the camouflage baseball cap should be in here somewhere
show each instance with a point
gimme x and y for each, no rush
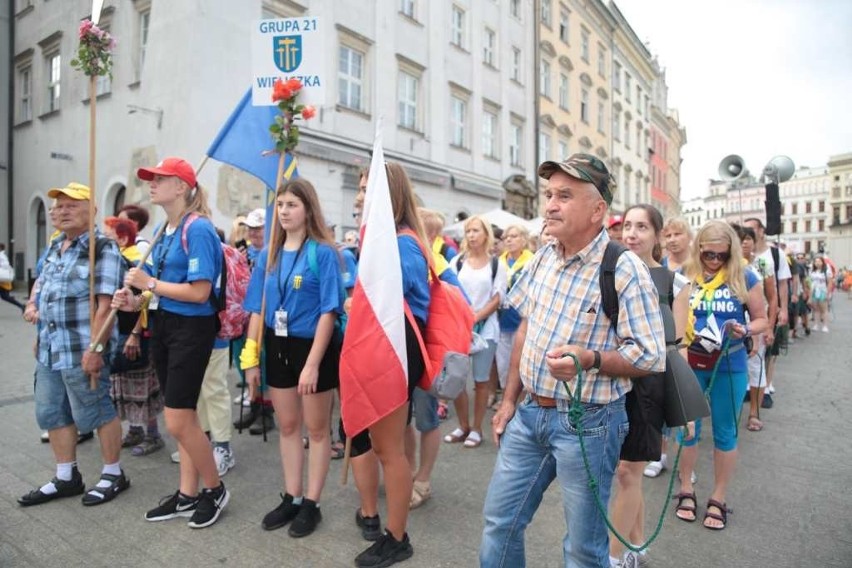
(584, 167)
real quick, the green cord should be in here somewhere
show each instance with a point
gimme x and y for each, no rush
(575, 417)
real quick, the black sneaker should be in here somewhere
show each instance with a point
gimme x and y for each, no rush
(371, 527)
(385, 552)
(172, 507)
(211, 502)
(767, 401)
(70, 488)
(306, 520)
(280, 515)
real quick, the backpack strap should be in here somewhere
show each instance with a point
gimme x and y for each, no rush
(313, 266)
(459, 262)
(495, 260)
(606, 280)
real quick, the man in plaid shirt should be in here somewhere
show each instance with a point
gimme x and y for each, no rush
(67, 358)
(559, 299)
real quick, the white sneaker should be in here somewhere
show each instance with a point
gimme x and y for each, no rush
(655, 468)
(693, 478)
(770, 389)
(224, 459)
(629, 560)
(244, 398)
(825, 328)
(175, 457)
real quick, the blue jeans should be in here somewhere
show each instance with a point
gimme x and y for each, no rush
(538, 446)
(65, 397)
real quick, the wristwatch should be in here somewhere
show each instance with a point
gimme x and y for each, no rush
(596, 365)
(152, 283)
(96, 348)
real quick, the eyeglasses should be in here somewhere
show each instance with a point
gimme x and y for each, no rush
(710, 256)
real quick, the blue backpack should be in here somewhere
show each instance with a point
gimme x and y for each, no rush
(313, 266)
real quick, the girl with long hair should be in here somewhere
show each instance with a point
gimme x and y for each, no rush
(302, 290)
(821, 283)
(642, 233)
(724, 295)
(186, 267)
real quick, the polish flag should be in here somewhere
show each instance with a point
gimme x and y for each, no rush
(374, 363)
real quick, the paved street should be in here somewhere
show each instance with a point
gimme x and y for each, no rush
(790, 497)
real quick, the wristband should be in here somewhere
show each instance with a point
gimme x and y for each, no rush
(249, 356)
(136, 333)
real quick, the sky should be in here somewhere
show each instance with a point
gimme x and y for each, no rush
(756, 78)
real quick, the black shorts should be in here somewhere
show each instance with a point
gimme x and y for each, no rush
(286, 357)
(780, 341)
(644, 406)
(181, 347)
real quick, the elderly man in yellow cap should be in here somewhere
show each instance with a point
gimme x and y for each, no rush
(67, 357)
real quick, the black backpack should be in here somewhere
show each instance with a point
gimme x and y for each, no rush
(494, 264)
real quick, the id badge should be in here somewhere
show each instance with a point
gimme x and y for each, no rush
(155, 301)
(281, 323)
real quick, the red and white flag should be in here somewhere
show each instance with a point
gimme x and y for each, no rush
(374, 363)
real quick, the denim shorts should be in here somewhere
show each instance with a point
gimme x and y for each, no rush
(425, 410)
(63, 398)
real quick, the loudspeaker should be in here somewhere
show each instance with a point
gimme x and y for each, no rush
(773, 209)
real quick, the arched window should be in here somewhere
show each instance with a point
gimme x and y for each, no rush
(118, 200)
(41, 227)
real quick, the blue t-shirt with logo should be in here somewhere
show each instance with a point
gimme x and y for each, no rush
(724, 306)
(293, 287)
(202, 260)
(415, 276)
(350, 274)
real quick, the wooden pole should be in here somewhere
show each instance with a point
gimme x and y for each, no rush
(93, 97)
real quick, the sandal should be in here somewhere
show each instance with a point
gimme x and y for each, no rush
(420, 493)
(133, 438)
(148, 446)
(754, 424)
(722, 516)
(99, 495)
(474, 439)
(686, 508)
(456, 436)
(338, 450)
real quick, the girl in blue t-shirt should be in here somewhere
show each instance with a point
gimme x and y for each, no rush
(297, 290)
(723, 290)
(183, 273)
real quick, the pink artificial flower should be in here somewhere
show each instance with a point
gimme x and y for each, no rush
(85, 26)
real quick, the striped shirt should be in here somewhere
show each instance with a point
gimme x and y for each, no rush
(63, 302)
(561, 301)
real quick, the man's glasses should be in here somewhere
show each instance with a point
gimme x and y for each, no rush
(710, 256)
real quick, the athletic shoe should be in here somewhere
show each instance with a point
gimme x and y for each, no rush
(175, 457)
(371, 527)
(285, 512)
(211, 503)
(629, 560)
(767, 401)
(385, 552)
(655, 468)
(770, 389)
(172, 507)
(224, 458)
(69, 488)
(825, 328)
(244, 399)
(306, 520)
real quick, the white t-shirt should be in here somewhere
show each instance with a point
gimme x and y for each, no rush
(680, 281)
(768, 269)
(480, 289)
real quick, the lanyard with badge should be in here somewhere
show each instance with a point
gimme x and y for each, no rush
(161, 261)
(281, 316)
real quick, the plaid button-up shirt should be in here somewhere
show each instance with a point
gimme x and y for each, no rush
(63, 300)
(561, 300)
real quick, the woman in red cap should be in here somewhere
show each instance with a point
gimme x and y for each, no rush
(186, 266)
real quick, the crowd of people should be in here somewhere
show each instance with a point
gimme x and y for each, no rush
(549, 362)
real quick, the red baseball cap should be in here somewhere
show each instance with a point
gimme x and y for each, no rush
(614, 220)
(177, 167)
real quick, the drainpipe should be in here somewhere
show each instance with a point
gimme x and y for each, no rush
(10, 221)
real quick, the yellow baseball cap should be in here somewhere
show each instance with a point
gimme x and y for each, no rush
(73, 190)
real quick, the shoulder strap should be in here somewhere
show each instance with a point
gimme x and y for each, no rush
(776, 259)
(459, 262)
(494, 262)
(313, 265)
(606, 277)
(189, 220)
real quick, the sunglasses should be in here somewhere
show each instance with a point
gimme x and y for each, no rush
(710, 256)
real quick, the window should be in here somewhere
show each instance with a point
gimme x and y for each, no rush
(515, 137)
(489, 134)
(807, 206)
(601, 117)
(808, 226)
(543, 146)
(515, 8)
(639, 100)
(638, 141)
(563, 150)
(25, 93)
(616, 76)
(516, 64)
(458, 122)
(626, 132)
(563, 91)
(489, 43)
(544, 79)
(601, 60)
(835, 215)
(584, 106)
(647, 107)
(616, 125)
(408, 85)
(795, 227)
(849, 213)
(563, 25)
(795, 208)
(584, 45)
(457, 27)
(546, 9)
(54, 72)
(821, 224)
(407, 8)
(144, 23)
(822, 206)
(627, 86)
(350, 77)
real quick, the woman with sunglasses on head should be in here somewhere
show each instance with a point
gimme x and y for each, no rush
(303, 300)
(185, 268)
(724, 295)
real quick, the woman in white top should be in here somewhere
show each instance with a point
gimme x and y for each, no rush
(483, 279)
(822, 282)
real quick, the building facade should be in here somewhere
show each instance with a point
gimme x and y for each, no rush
(694, 211)
(450, 79)
(806, 213)
(840, 233)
